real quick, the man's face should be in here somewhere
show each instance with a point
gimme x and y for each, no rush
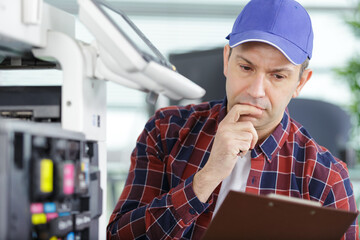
(258, 74)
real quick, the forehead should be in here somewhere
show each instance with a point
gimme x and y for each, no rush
(264, 52)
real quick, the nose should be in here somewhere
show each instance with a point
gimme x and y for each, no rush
(256, 87)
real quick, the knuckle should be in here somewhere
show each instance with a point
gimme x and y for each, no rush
(244, 146)
(247, 136)
(249, 125)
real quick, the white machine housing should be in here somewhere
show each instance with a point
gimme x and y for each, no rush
(34, 27)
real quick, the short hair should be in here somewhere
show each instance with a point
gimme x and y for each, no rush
(304, 66)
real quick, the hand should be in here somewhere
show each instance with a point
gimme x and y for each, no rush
(232, 136)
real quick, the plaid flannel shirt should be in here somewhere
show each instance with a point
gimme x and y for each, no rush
(158, 201)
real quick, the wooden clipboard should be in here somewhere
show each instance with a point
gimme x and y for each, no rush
(249, 216)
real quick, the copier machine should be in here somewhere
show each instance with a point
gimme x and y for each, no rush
(52, 139)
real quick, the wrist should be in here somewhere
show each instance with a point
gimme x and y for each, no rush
(204, 183)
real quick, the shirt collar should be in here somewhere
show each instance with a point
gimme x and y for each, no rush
(272, 144)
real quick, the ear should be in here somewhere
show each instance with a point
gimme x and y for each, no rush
(226, 58)
(303, 80)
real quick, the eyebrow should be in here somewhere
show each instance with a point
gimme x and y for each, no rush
(280, 69)
(246, 60)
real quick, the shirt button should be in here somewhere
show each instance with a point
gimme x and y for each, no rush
(253, 180)
(192, 211)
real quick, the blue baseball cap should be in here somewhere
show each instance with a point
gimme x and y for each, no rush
(284, 24)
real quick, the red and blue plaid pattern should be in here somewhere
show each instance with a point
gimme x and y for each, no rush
(158, 201)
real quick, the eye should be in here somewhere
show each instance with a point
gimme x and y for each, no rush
(278, 76)
(245, 68)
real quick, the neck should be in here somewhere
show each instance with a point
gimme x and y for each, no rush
(264, 133)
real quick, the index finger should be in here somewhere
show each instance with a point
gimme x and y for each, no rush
(240, 109)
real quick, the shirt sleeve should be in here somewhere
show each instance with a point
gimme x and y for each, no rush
(341, 196)
(148, 206)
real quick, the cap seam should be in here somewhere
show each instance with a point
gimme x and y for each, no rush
(277, 14)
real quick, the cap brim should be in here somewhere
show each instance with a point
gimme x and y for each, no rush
(292, 52)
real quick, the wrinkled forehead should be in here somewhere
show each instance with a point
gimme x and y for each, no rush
(263, 53)
(257, 47)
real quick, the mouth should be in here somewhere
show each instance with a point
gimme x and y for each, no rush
(258, 107)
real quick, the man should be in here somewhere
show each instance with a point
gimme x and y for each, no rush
(188, 158)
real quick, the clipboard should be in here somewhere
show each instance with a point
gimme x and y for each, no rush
(250, 216)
